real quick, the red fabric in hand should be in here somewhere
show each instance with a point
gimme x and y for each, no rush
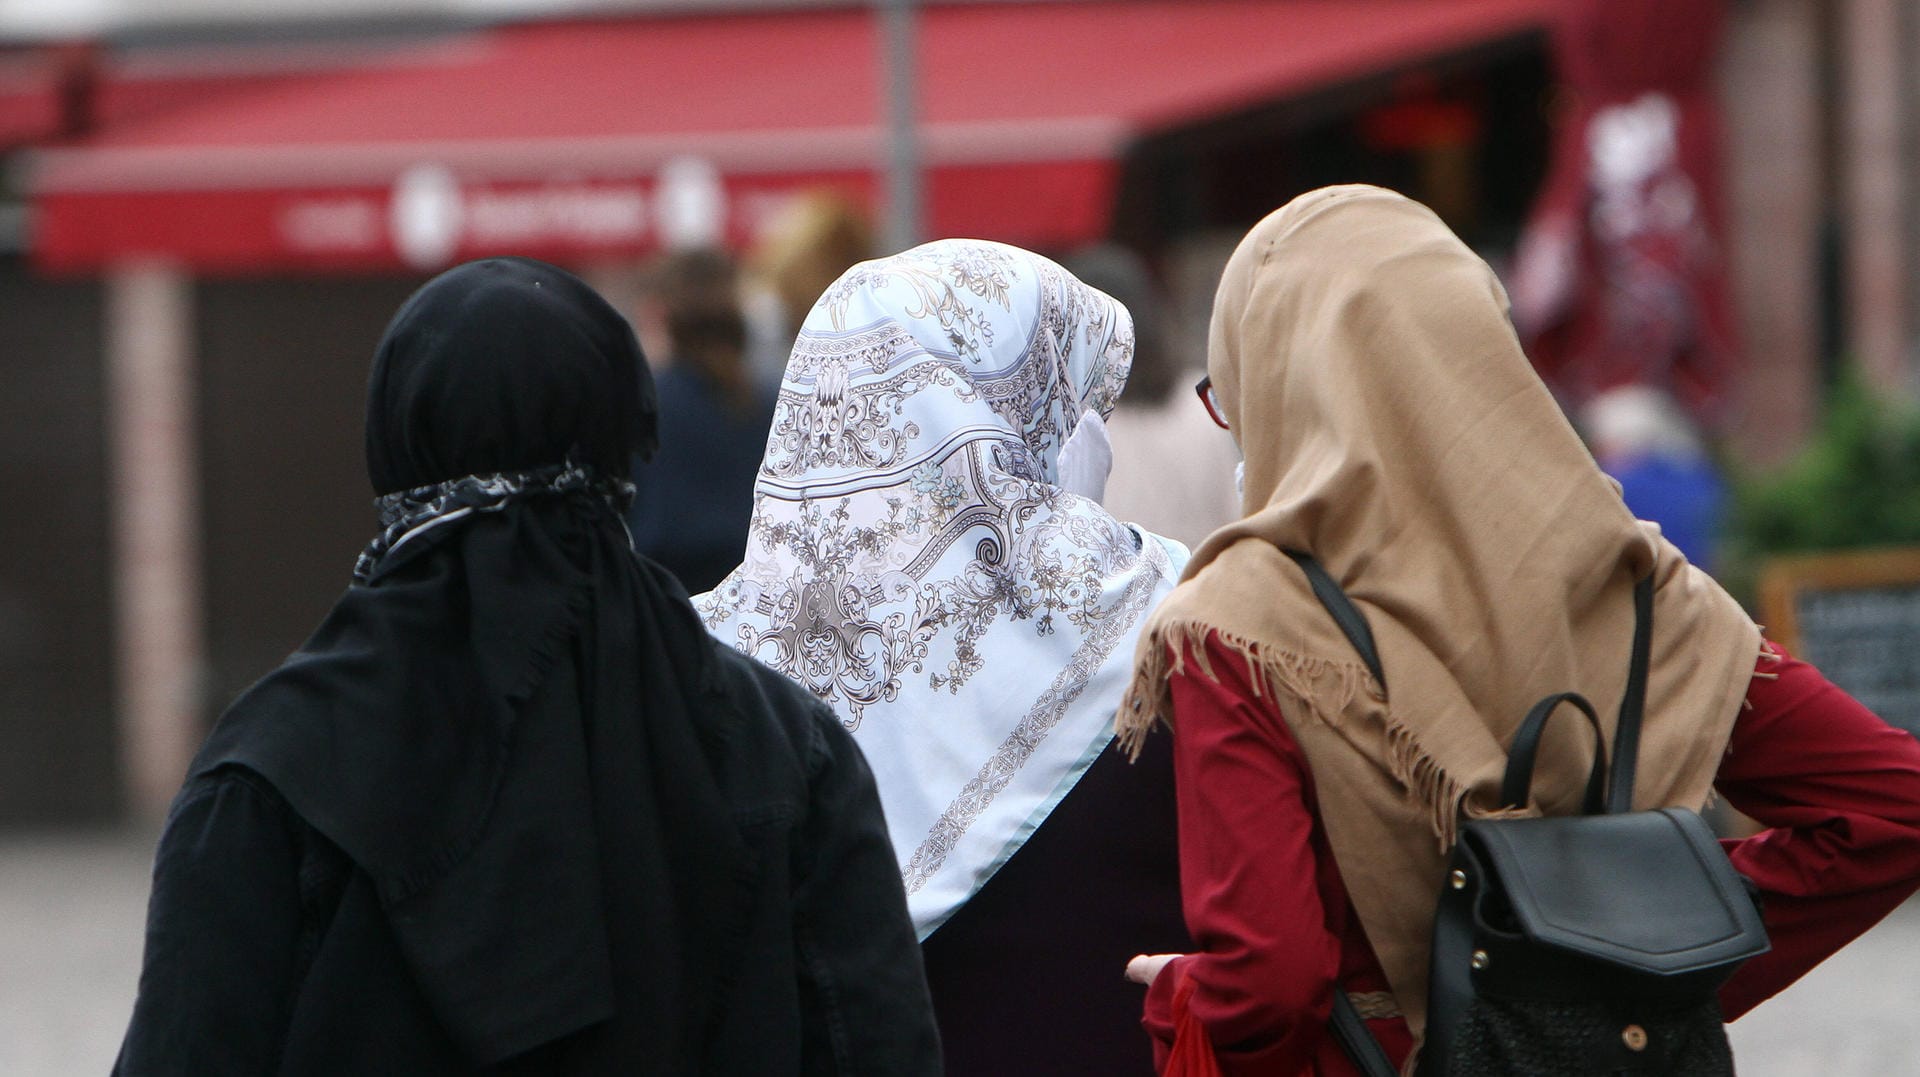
(1192, 1053)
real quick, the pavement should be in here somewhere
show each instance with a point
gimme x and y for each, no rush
(72, 909)
(72, 905)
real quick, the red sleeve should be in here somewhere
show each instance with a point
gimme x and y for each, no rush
(1840, 791)
(1266, 961)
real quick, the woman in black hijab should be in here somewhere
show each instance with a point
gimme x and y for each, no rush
(511, 809)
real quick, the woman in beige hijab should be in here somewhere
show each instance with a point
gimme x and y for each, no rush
(1392, 428)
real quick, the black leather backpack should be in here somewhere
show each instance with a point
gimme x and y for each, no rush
(1586, 946)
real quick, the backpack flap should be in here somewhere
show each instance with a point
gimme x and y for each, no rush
(1647, 893)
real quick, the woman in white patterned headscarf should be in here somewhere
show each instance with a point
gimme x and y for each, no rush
(929, 556)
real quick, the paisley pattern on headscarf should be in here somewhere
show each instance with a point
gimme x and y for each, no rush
(405, 513)
(913, 561)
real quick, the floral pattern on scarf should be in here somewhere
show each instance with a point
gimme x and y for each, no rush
(913, 562)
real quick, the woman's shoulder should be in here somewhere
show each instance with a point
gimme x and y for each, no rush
(769, 702)
(229, 822)
(231, 790)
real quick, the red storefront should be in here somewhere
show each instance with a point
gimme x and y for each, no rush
(244, 218)
(553, 139)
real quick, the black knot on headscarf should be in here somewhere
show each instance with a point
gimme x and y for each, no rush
(406, 514)
(503, 365)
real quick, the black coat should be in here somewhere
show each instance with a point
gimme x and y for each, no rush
(268, 951)
(1098, 882)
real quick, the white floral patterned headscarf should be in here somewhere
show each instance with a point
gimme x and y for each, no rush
(913, 561)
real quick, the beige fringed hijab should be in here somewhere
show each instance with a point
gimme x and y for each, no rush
(1393, 429)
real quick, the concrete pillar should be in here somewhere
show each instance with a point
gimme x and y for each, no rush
(1876, 189)
(1770, 92)
(155, 512)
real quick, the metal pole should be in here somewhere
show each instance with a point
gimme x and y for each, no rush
(899, 68)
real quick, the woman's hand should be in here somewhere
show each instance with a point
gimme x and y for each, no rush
(1144, 967)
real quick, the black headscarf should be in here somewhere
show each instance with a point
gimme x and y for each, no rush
(496, 722)
(505, 364)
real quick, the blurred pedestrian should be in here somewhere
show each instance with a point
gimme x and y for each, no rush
(1394, 430)
(816, 236)
(929, 556)
(1172, 467)
(1622, 275)
(690, 513)
(510, 809)
(1642, 438)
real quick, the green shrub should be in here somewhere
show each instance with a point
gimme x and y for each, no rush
(1856, 484)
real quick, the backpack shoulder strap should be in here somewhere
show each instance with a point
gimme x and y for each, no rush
(1626, 733)
(1352, 622)
(1348, 1026)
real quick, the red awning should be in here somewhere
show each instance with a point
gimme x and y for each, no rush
(553, 139)
(30, 107)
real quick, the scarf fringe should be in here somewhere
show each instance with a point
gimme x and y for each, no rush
(1322, 688)
(1767, 654)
